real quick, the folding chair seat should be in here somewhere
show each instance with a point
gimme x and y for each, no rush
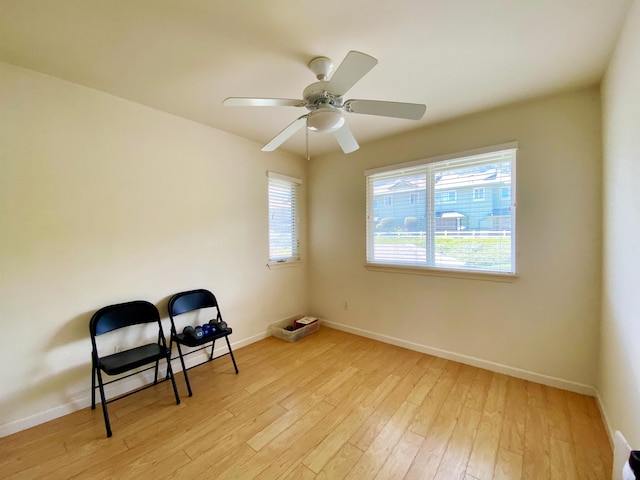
(195, 301)
(119, 316)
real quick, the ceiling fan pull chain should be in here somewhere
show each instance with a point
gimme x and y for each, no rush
(307, 138)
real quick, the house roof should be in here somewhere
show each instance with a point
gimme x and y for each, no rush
(446, 181)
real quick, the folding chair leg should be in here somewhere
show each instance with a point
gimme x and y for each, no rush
(231, 353)
(173, 380)
(213, 344)
(170, 350)
(184, 370)
(107, 424)
(155, 376)
(93, 384)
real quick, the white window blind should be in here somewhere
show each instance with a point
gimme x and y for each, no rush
(457, 213)
(284, 243)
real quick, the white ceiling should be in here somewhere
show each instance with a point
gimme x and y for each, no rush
(185, 56)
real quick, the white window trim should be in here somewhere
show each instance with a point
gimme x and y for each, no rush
(446, 272)
(443, 272)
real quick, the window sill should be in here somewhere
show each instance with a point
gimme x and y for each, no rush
(285, 264)
(443, 272)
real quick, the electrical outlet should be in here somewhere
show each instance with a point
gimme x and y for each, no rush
(346, 305)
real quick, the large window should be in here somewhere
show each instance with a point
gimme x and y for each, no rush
(284, 243)
(465, 219)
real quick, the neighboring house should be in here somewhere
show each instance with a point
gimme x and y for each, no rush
(465, 199)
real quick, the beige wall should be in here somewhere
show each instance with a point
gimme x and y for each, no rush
(543, 326)
(104, 201)
(619, 382)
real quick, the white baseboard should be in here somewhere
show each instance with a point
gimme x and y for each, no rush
(605, 418)
(473, 361)
(120, 388)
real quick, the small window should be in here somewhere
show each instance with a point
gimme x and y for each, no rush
(388, 201)
(284, 242)
(414, 198)
(450, 228)
(446, 197)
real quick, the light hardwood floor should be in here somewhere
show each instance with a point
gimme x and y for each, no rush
(331, 406)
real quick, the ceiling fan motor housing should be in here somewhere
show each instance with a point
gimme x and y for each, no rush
(316, 95)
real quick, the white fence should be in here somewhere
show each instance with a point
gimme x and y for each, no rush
(447, 233)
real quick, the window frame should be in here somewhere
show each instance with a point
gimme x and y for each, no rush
(479, 198)
(450, 198)
(293, 184)
(372, 263)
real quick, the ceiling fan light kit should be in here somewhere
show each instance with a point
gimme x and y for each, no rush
(325, 119)
(326, 105)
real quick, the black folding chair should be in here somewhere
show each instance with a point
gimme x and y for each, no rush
(119, 316)
(191, 301)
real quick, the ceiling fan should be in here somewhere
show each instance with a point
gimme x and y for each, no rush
(324, 100)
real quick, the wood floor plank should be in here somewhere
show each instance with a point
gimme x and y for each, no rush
(432, 403)
(341, 464)
(558, 415)
(289, 438)
(229, 437)
(330, 406)
(378, 451)
(74, 461)
(335, 440)
(512, 436)
(367, 433)
(266, 435)
(300, 472)
(429, 456)
(487, 441)
(535, 464)
(588, 453)
(401, 457)
(561, 460)
(287, 458)
(508, 465)
(456, 456)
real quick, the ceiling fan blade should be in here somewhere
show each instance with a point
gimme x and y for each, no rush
(354, 66)
(262, 102)
(284, 135)
(410, 111)
(346, 140)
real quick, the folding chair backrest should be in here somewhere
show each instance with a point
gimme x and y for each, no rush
(192, 300)
(123, 315)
